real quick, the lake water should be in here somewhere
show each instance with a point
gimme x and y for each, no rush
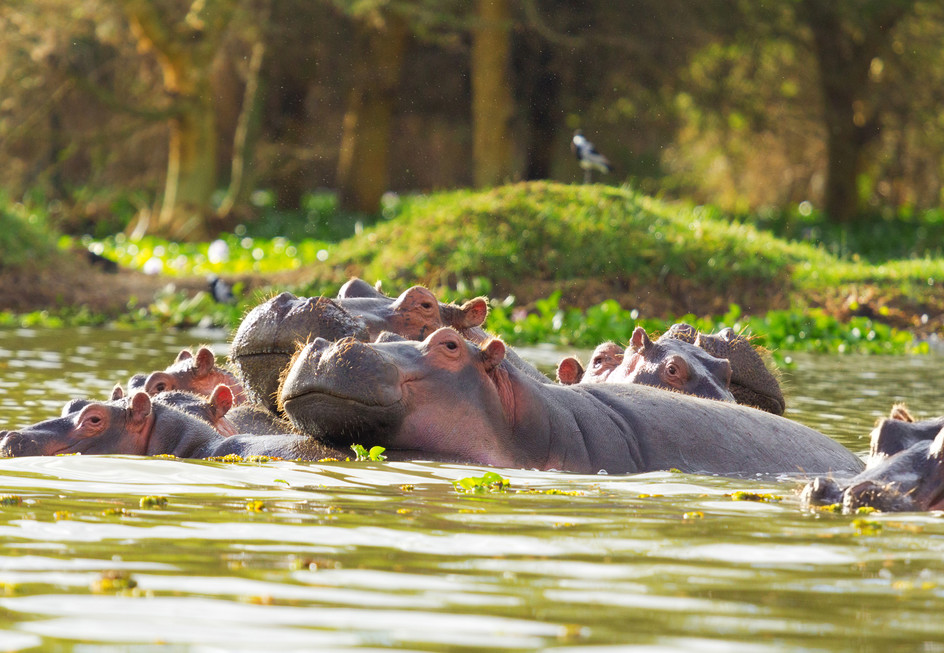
(298, 557)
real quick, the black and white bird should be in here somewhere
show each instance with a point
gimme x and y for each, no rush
(221, 291)
(588, 157)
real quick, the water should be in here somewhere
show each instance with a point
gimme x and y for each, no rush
(291, 557)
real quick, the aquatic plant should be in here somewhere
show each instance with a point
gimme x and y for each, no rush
(488, 482)
(362, 454)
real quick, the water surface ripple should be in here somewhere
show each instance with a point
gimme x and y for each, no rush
(373, 556)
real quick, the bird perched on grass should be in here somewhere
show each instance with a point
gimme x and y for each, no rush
(588, 157)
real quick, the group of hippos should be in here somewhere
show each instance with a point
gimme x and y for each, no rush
(310, 376)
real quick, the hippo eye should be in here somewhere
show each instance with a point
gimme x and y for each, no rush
(451, 345)
(671, 369)
(160, 387)
(426, 305)
(598, 361)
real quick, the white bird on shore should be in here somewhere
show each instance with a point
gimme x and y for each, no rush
(588, 157)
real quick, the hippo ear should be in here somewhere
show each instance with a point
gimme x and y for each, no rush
(493, 353)
(639, 340)
(474, 313)
(901, 413)
(355, 287)
(221, 400)
(569, 371)
(117, 392)
(183, 355)
(206, 361)
(139, 408)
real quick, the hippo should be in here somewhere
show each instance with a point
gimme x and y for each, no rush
(461, 400)
(668, 363)
(199, 374)
(136, 425)
(904, 471)
(752, 384)
(270, 334)
(604, 359)
(216, 409)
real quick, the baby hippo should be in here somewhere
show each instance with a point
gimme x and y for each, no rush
(193, 373)
(136, 425)
(667, 363)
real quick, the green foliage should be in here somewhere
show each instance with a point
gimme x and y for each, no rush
(793, 330)
(362, 454)
(488, 482)
(244, 254)
(876, 237)
(24, 235)
(318, 218)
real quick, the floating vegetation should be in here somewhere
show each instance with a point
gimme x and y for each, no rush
(743, 495)
(866, 527)
(7, 500)
(374, 454)
(552, 491)
(153, 502)
(865, 510)
(228, 458)
(60, 515)
(255, 505)
(832, 507)
(113, 580)
(114, 512)
(408, 487)
(488, 482)
(694, 514)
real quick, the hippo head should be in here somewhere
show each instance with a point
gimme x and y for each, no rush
(604, 359)
(441, 396)
(198, 374)
(270, 333)
(910, 480)
(121, 426)
(674, 365)
(752, 384)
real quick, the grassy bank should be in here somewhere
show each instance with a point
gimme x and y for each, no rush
(570, 264)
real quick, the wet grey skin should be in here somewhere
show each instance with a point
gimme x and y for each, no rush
(448, 397)
(904, 472)
(136, 425)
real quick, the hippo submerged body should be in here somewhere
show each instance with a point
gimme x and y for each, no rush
(458, 400)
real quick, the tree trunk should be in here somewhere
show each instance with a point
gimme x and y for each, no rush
(544, 113)
(364, 158)
(845, 41)
(184, 47)
(243, 138)
(492, 102)
(191, 171)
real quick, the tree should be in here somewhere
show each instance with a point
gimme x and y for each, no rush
(364, 157)
(847, 38)
(184, 40)
(492, 101)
